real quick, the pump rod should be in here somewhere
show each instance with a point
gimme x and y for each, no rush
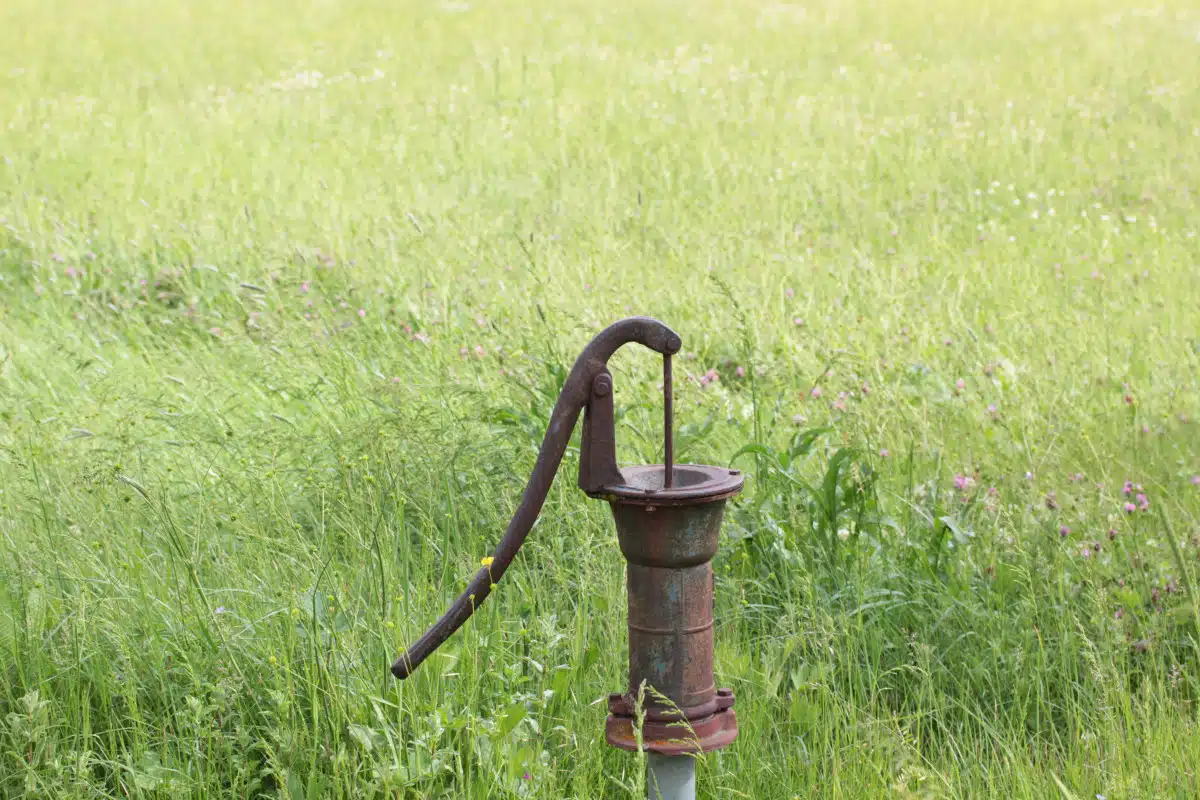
(668, 423)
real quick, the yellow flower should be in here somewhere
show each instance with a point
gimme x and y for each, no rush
(272, 661)
(486, 561)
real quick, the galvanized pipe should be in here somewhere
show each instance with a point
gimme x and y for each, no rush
(670, 777)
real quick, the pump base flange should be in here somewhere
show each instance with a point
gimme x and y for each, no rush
(711, 726)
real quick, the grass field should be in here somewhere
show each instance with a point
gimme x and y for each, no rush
(287, 291)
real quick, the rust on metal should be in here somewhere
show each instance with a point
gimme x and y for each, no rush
(577, 393)
(668, 518)
(668, 424)
(598, 445)
(699, 730)
(669, 536)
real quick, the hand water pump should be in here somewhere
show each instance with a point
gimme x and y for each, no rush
(668, 520)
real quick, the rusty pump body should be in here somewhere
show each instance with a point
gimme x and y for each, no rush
(668, 521)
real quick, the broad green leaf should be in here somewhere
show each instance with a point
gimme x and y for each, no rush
(512, 717)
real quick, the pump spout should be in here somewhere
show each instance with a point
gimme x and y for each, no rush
(589, 386)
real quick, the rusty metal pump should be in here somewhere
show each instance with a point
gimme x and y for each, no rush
(668, 520)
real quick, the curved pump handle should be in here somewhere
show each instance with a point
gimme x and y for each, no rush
(588, 386)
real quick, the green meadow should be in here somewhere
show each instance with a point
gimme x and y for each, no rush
(287, 291)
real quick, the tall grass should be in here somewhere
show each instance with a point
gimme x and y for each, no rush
(287, 293)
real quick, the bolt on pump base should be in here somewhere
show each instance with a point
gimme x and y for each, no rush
(668, 520)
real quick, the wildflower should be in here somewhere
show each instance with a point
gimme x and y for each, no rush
(219, 610)
(272, 660)
(1196, 480)
(526, 776)
(1086, 552)
(362, 312)
(991, 409)
(884, 453)
(991, 498)
(1028, 475)
(462, 351)
(789, 293)
(479, 351)
(840, 403)
(1064, 531)
(816, 392)
(487, 561)
(1120, 612)
(798, 322)
(866, 390)
(1128, 399)
(1127, 488)
(304, 287)
(1130, 508)
(741, 372)
(960, 384)
(1112, 534)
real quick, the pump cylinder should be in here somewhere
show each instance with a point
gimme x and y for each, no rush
(669, 536)
(671, 634)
